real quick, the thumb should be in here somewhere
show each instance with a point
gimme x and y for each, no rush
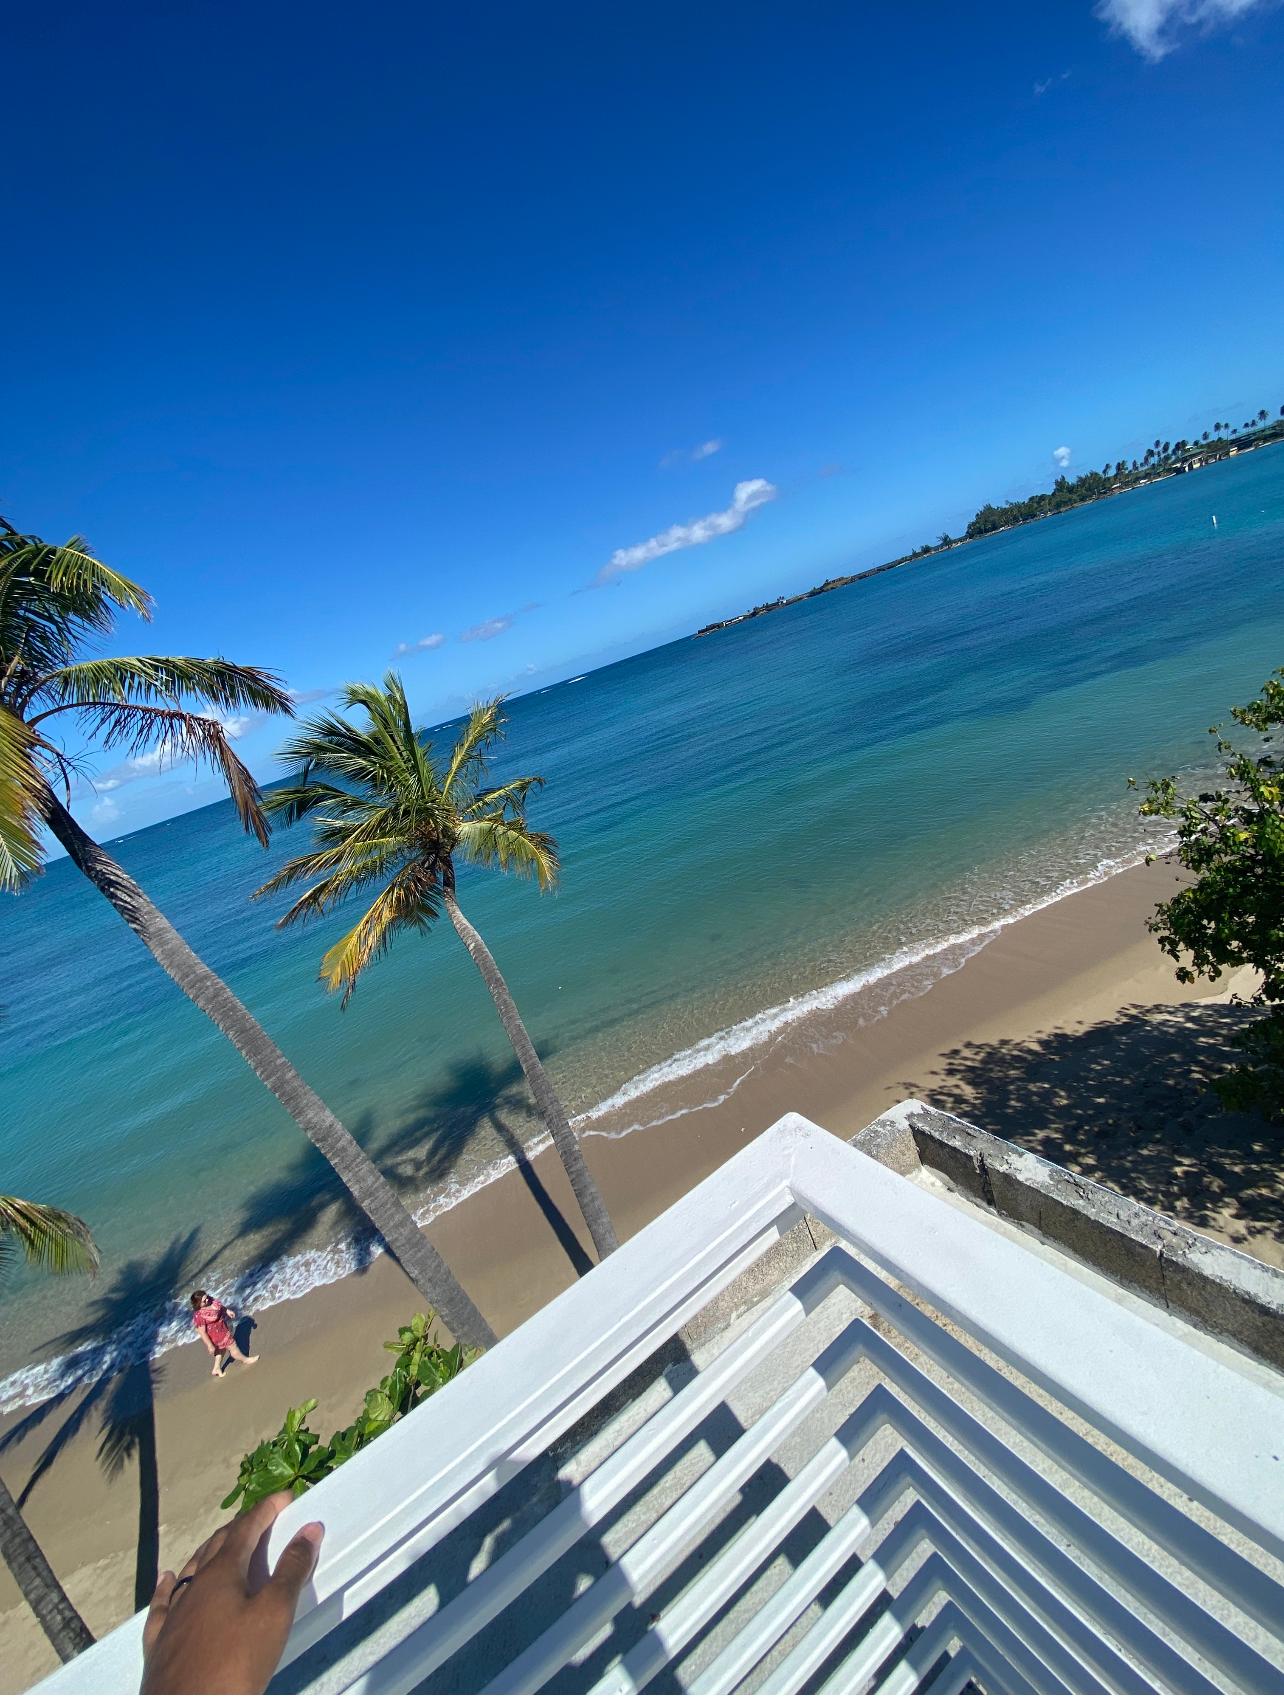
(296, 1565)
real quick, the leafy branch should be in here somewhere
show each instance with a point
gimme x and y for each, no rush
(1231, 914)
(296, 1459)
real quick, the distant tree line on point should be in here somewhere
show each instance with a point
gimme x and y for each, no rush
(1162, 457)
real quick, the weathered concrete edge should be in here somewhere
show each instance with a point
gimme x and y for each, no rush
(1214, 1287)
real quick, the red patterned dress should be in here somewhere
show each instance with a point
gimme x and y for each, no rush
(212, 1320)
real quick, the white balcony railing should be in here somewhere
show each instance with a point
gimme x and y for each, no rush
(970, 1464)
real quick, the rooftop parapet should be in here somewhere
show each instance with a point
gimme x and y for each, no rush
(825, 1424)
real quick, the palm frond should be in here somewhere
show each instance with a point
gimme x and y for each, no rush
(301, 796)
(51, 598)
(334, 873)
(409, 901)
(50, 1237)
(74, 572)
(162, 680)
(511, 845)
(332, 749)
(468, 758)
(505, 797)
(176, 736)
(21, 854)
(382, 811)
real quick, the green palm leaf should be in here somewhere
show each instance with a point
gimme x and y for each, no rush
(408, 902)
(49, 1237)
(382, 809)
(511, 845)
(468, 761)
(163, 680)
(19, 813)
(55, 599)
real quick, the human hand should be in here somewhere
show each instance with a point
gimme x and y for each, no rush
(222, 1623)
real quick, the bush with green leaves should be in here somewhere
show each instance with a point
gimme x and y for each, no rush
(1231, 914)
(296, 1459)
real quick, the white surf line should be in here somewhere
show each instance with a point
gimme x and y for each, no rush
(759, 1028)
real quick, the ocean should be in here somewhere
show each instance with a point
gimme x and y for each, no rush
(754, 826)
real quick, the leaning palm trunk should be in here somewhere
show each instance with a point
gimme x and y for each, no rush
(369, 1189)
(34, 1577)
(547, 1101)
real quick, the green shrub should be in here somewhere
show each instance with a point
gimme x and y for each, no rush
(1231, 912)
(296, 1459)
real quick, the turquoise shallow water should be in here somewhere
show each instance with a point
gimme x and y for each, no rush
(773, 812)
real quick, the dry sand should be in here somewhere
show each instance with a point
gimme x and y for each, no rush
(1067, 1032)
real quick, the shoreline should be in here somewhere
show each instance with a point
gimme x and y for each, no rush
(266, 1285)
(1017, 1032)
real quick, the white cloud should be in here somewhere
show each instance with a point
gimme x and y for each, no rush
(235, 726)
(754, 492)
(421, 647)
(302, 697)
(1152, 25)
(487, 629)
(1061, 456)
(1045, 83)
(702, 451)
(105, 811)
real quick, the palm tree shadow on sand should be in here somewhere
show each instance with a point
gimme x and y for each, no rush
(1128, 1102)
(114, 1379)
(476, 1099)
(474, 1108)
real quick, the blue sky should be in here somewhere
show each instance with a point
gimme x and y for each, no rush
(546, 334)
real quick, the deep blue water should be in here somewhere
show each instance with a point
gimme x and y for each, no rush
(762, 814)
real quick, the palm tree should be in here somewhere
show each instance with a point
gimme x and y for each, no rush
(53, 602)
(61, 1243)
(1262, 415)
(389, 814)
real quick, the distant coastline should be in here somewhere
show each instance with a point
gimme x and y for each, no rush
(1164, 460)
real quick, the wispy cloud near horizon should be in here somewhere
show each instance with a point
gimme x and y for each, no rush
(487, 629)
(422, 646)
(692, 456)
(754, 492)
(1153, 26)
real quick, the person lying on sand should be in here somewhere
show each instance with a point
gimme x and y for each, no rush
(211, 1320)
(221, 1624)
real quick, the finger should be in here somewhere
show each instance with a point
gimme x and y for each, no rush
(295, 1566)
(248, 1529)
(205, 1553)
(158, 1610)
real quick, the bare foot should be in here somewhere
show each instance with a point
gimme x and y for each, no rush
(250, 1360)
(216, 1373)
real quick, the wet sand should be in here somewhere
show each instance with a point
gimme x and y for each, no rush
(1067, 1031)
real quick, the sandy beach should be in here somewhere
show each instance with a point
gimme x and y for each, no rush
(1067, 1031)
